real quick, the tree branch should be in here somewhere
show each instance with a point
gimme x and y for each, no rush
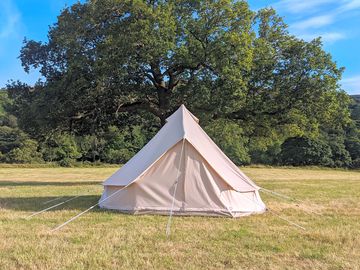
(139, 105)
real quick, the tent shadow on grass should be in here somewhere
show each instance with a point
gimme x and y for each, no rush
(48, 183)
(34, 204)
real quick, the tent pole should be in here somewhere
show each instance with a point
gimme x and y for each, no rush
(51, 207)
(168, 226)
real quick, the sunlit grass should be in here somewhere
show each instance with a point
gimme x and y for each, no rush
(330, 211)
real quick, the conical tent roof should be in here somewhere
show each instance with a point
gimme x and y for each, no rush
(182, 125)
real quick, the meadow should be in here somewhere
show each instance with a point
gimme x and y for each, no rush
(329, 209)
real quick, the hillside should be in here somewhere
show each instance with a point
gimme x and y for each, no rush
(356, 97)
(355, 109)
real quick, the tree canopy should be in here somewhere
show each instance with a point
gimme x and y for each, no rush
(125, 64)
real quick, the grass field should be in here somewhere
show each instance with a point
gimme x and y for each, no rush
(330, 211)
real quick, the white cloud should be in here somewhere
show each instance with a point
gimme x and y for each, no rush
(327, 37)
(330, 12)
(311, 6)
(314, 22)
(10, 19)
(332, 36)
(351, 84)
(300, 6)
(350, 5)
(10, 27)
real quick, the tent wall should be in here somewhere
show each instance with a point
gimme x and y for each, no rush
(200, 189)
(181, 125)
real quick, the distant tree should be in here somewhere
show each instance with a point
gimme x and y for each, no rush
(300, 151)
(60, 147)
(121, 145)
(355, 110)
(352, 144)
(339, 154)
(229, 137)
(17, 147)
(26, 152)
(352, 137)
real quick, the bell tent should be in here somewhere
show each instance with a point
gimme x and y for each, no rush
(183, 172)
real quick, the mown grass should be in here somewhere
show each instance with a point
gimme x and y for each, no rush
(330, 211)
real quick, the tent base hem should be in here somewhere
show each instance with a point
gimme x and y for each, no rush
(212, 213)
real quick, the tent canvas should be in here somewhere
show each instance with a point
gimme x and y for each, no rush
(182, 170)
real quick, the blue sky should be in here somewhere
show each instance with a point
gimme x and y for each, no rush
(336, 21)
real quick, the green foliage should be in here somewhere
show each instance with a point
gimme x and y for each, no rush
(301, 151)
(17, 147)
(352, 139)
(10, 138)
(60, 147)
(218, 57)
(356, 163)
(30, 107)
(121, 145)
(268, 155)
(339, 154)
(27, 152)
(112, 146)
(4, 101)
(114, 70)
(6, 119)
(355, 110)
(90, 147)
(352, 144)
(121, 155)
(230, 138)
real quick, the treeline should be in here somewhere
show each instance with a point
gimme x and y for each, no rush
(112, 146)
(113, 71)
(116, 145)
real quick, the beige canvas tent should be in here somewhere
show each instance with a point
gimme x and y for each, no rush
(182, 171)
